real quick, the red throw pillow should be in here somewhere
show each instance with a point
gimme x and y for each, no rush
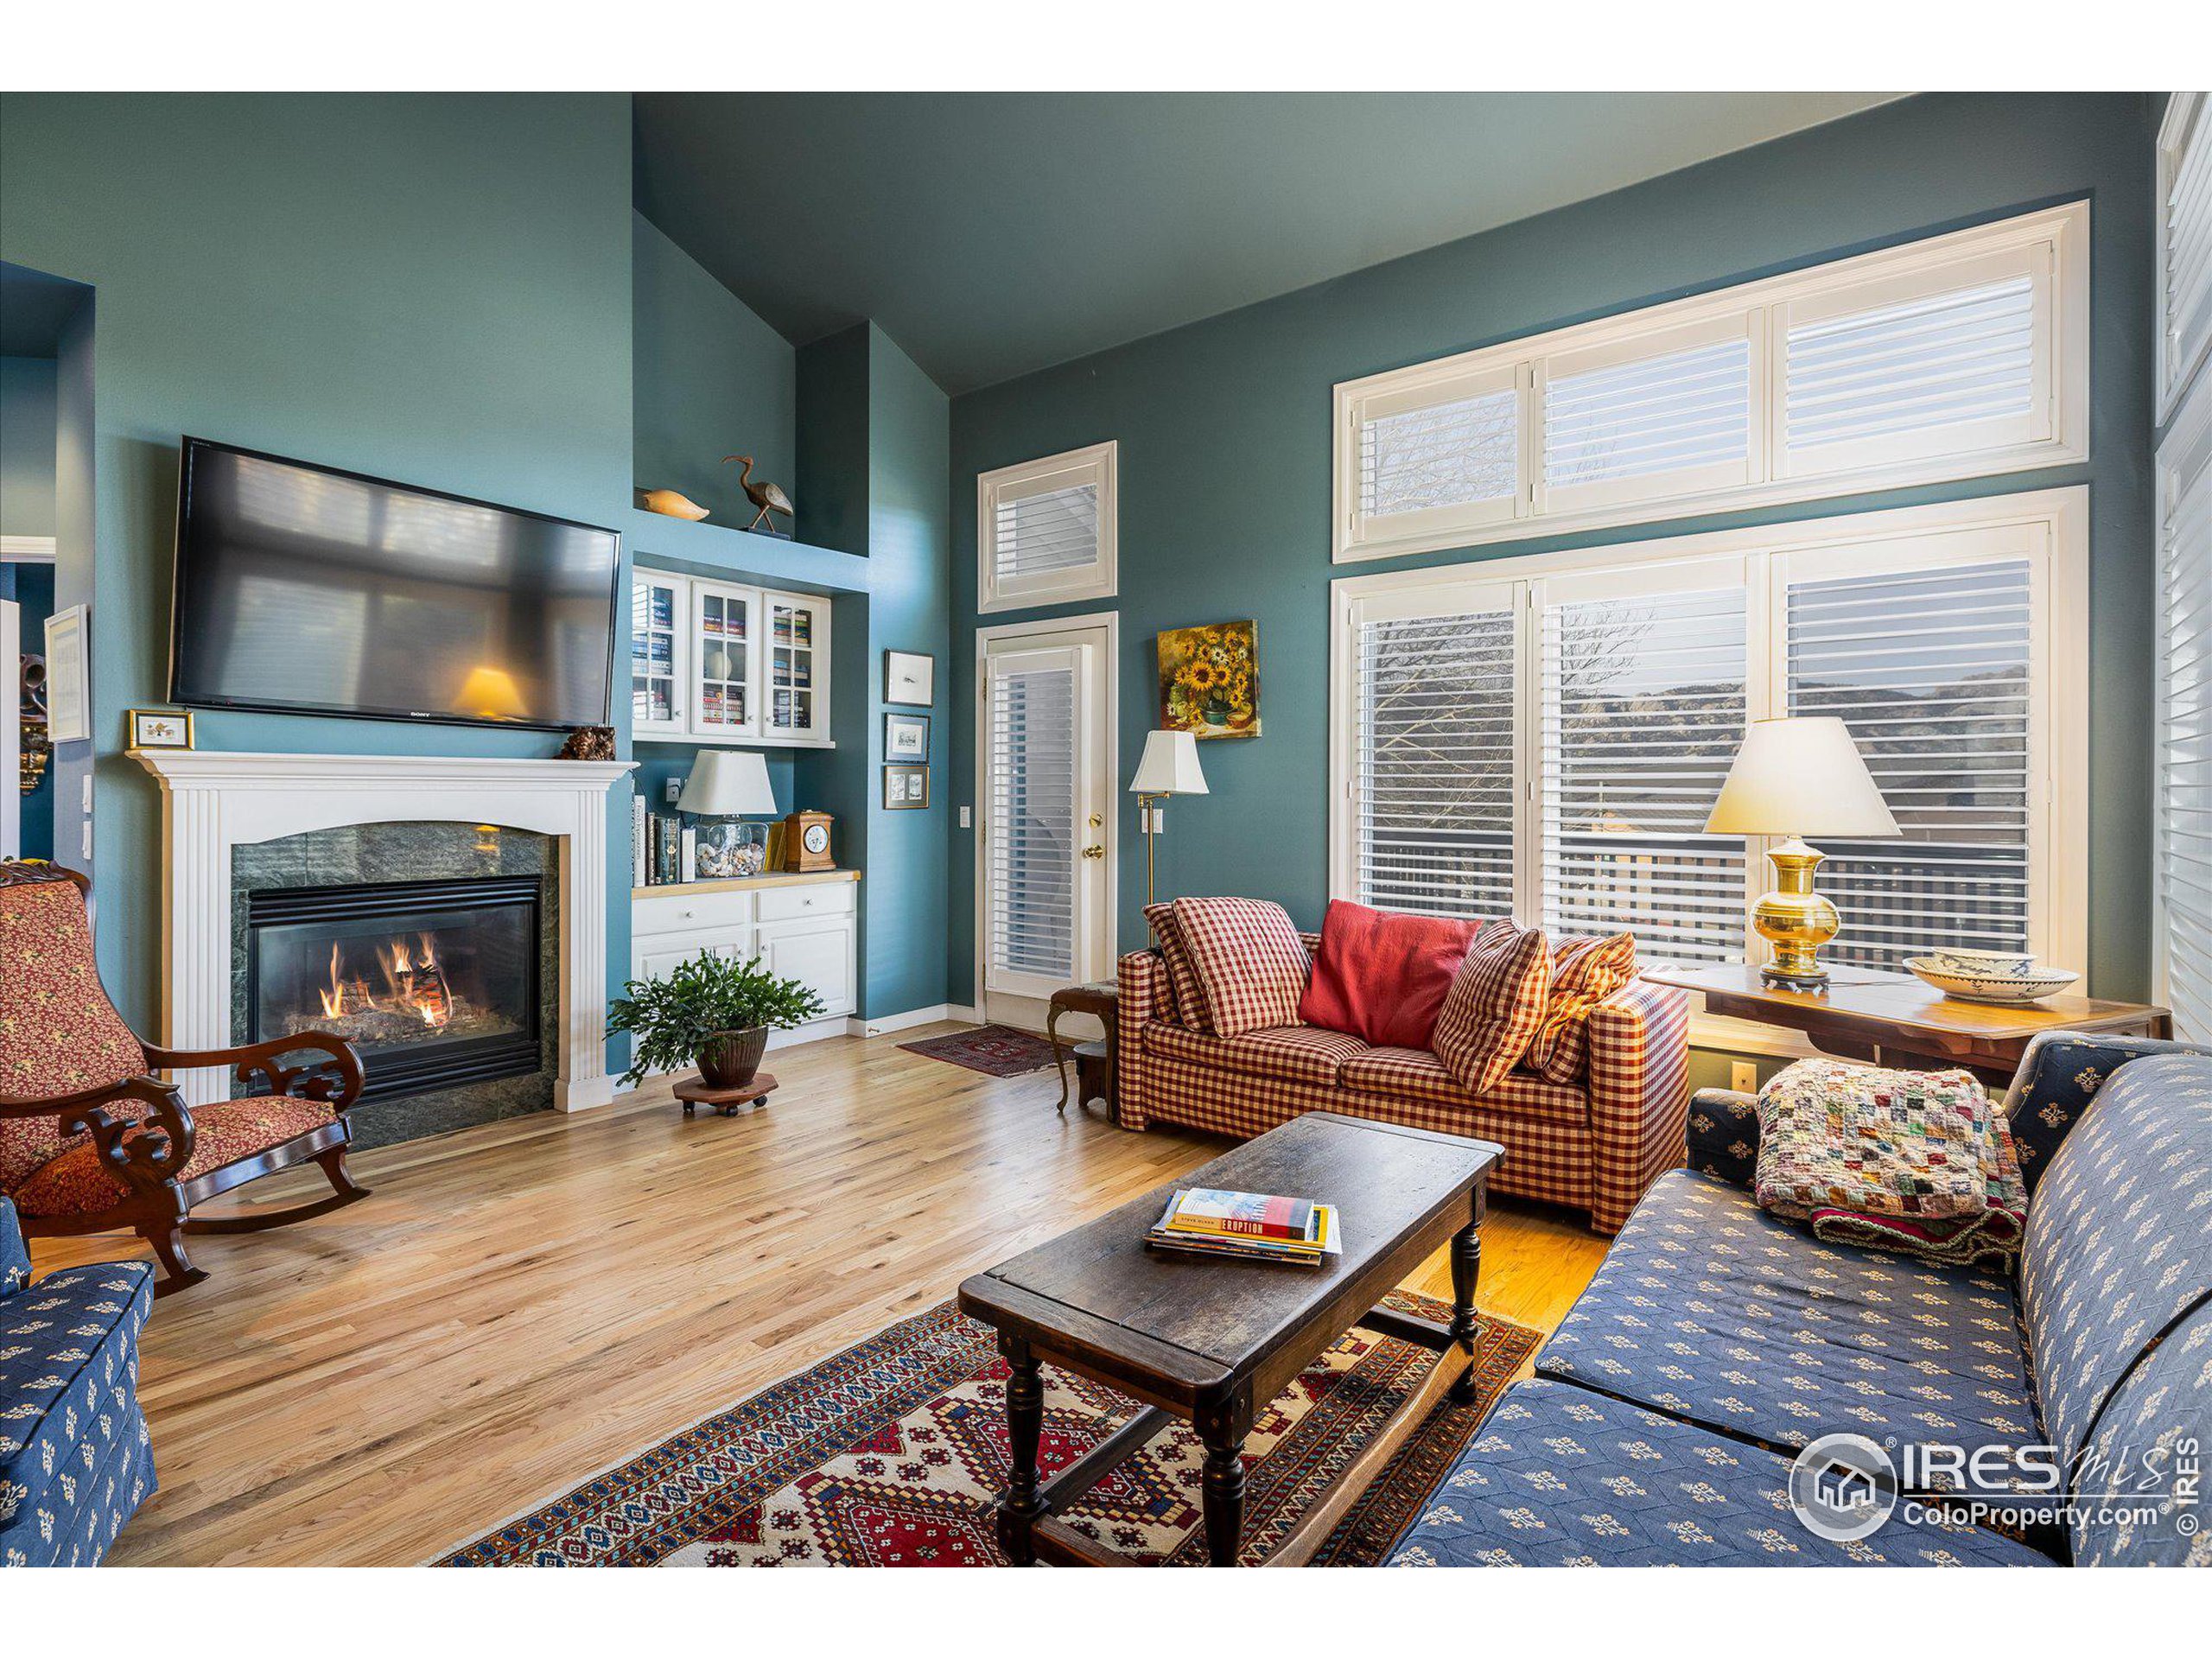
(1585, 972)
(1249, 959)
(1495, 1005)
(1383, 975)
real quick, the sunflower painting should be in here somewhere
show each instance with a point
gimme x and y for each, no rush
(1209, 680)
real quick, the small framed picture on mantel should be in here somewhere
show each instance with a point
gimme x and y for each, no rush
(161, 728)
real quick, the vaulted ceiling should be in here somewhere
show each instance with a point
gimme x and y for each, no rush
(992, 234)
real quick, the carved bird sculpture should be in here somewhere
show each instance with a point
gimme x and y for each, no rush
(763, 495)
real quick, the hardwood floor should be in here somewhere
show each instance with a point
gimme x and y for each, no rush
(520, 1306)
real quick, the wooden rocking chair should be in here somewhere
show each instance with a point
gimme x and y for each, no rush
(92, 1141)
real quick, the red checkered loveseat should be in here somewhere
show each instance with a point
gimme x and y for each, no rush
(1595, 1144)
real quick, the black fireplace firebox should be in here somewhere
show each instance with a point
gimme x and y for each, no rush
(434, 983)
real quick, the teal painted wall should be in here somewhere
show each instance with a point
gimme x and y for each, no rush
(434, 289)
(1224, 429)
(710, 379)
(27, 393)
(875, 459)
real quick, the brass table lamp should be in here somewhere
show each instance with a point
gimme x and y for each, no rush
(1792, 777)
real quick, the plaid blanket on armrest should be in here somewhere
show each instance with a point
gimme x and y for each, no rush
(1918, 1162)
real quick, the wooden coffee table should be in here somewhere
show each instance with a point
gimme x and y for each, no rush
(1210, 1341)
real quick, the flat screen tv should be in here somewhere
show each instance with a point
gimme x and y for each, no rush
(302, 589)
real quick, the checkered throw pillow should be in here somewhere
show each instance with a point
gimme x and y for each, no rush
(1585, 972)
(1182, 983)
(1496, 1004)
(1249, 959)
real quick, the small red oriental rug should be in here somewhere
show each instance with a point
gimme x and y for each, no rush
(890, 1454)
(995, 1051)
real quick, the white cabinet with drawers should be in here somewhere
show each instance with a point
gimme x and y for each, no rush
(717, 662)
(804, 927)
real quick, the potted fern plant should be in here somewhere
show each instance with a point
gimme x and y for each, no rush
(712, 1012)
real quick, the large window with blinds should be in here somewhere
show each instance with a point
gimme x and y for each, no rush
(1956, 356)
(1045, 530)
(1544, 737)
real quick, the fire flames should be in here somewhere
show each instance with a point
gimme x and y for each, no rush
(414, 982)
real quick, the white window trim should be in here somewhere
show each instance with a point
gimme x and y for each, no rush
(2179, 132)
(1762, 308)
(1096, 581)
(2058, 853)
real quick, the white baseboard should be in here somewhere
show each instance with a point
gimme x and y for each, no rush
(884, 1025)
(973, 1015)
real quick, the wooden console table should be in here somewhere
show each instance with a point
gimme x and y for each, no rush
(1895, 1020)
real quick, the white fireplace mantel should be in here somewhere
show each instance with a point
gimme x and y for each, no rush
(212, 802)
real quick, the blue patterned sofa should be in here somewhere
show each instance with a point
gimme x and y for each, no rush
(75, 1461)
(1716, 1340)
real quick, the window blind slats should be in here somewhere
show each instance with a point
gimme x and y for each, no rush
(1040, 534)
(1642, 706)
(1929, 669)
(1033, 822)
(2183, 760)
(1671, 411)
(1448, 454)
(2186, 285)
(1432, 764)
(1945, 359)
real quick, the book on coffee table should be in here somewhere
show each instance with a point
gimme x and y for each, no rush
(1248, 1226)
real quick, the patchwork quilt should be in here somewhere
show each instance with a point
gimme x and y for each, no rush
(1918, 1162)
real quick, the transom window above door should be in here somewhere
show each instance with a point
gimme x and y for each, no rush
(1544, 737)
(1956, 356)
(1045, 530)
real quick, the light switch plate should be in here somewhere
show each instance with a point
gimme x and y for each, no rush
(88, 791)
(966, 820)
(88, 841)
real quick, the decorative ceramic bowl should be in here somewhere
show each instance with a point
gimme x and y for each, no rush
(1976, 964)
(2005, 990)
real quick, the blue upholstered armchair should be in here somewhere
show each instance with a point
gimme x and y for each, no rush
(75, 1460)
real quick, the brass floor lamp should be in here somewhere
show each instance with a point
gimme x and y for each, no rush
(1170, 767)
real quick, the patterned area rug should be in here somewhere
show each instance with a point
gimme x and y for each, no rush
(995, 1051)
(890, 1453)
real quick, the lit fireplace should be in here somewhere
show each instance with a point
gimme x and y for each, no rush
(435, 983)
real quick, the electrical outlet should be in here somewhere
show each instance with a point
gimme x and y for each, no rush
(1744, 1076)
(967, 822)
(674, 789)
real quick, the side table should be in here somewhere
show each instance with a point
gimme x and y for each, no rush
(1095, 1062)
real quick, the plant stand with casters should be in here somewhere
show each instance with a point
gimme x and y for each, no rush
(693, 1091)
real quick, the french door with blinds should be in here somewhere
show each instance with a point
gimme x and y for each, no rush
(1545, 737)
(1045, 858)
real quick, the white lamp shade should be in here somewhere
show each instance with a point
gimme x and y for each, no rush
(1800, 776)
(1170, 766)
(727, 784)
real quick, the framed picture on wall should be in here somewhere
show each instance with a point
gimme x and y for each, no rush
(906, 737)
(909, 676)
(905, 789)
(69, 684)
(161, 728)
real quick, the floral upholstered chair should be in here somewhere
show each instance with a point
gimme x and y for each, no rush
(92, 1141)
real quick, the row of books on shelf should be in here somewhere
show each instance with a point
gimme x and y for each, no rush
(664, 849)
(1248, 1226)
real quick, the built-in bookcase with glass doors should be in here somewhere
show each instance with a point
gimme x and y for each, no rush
(719, 662)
